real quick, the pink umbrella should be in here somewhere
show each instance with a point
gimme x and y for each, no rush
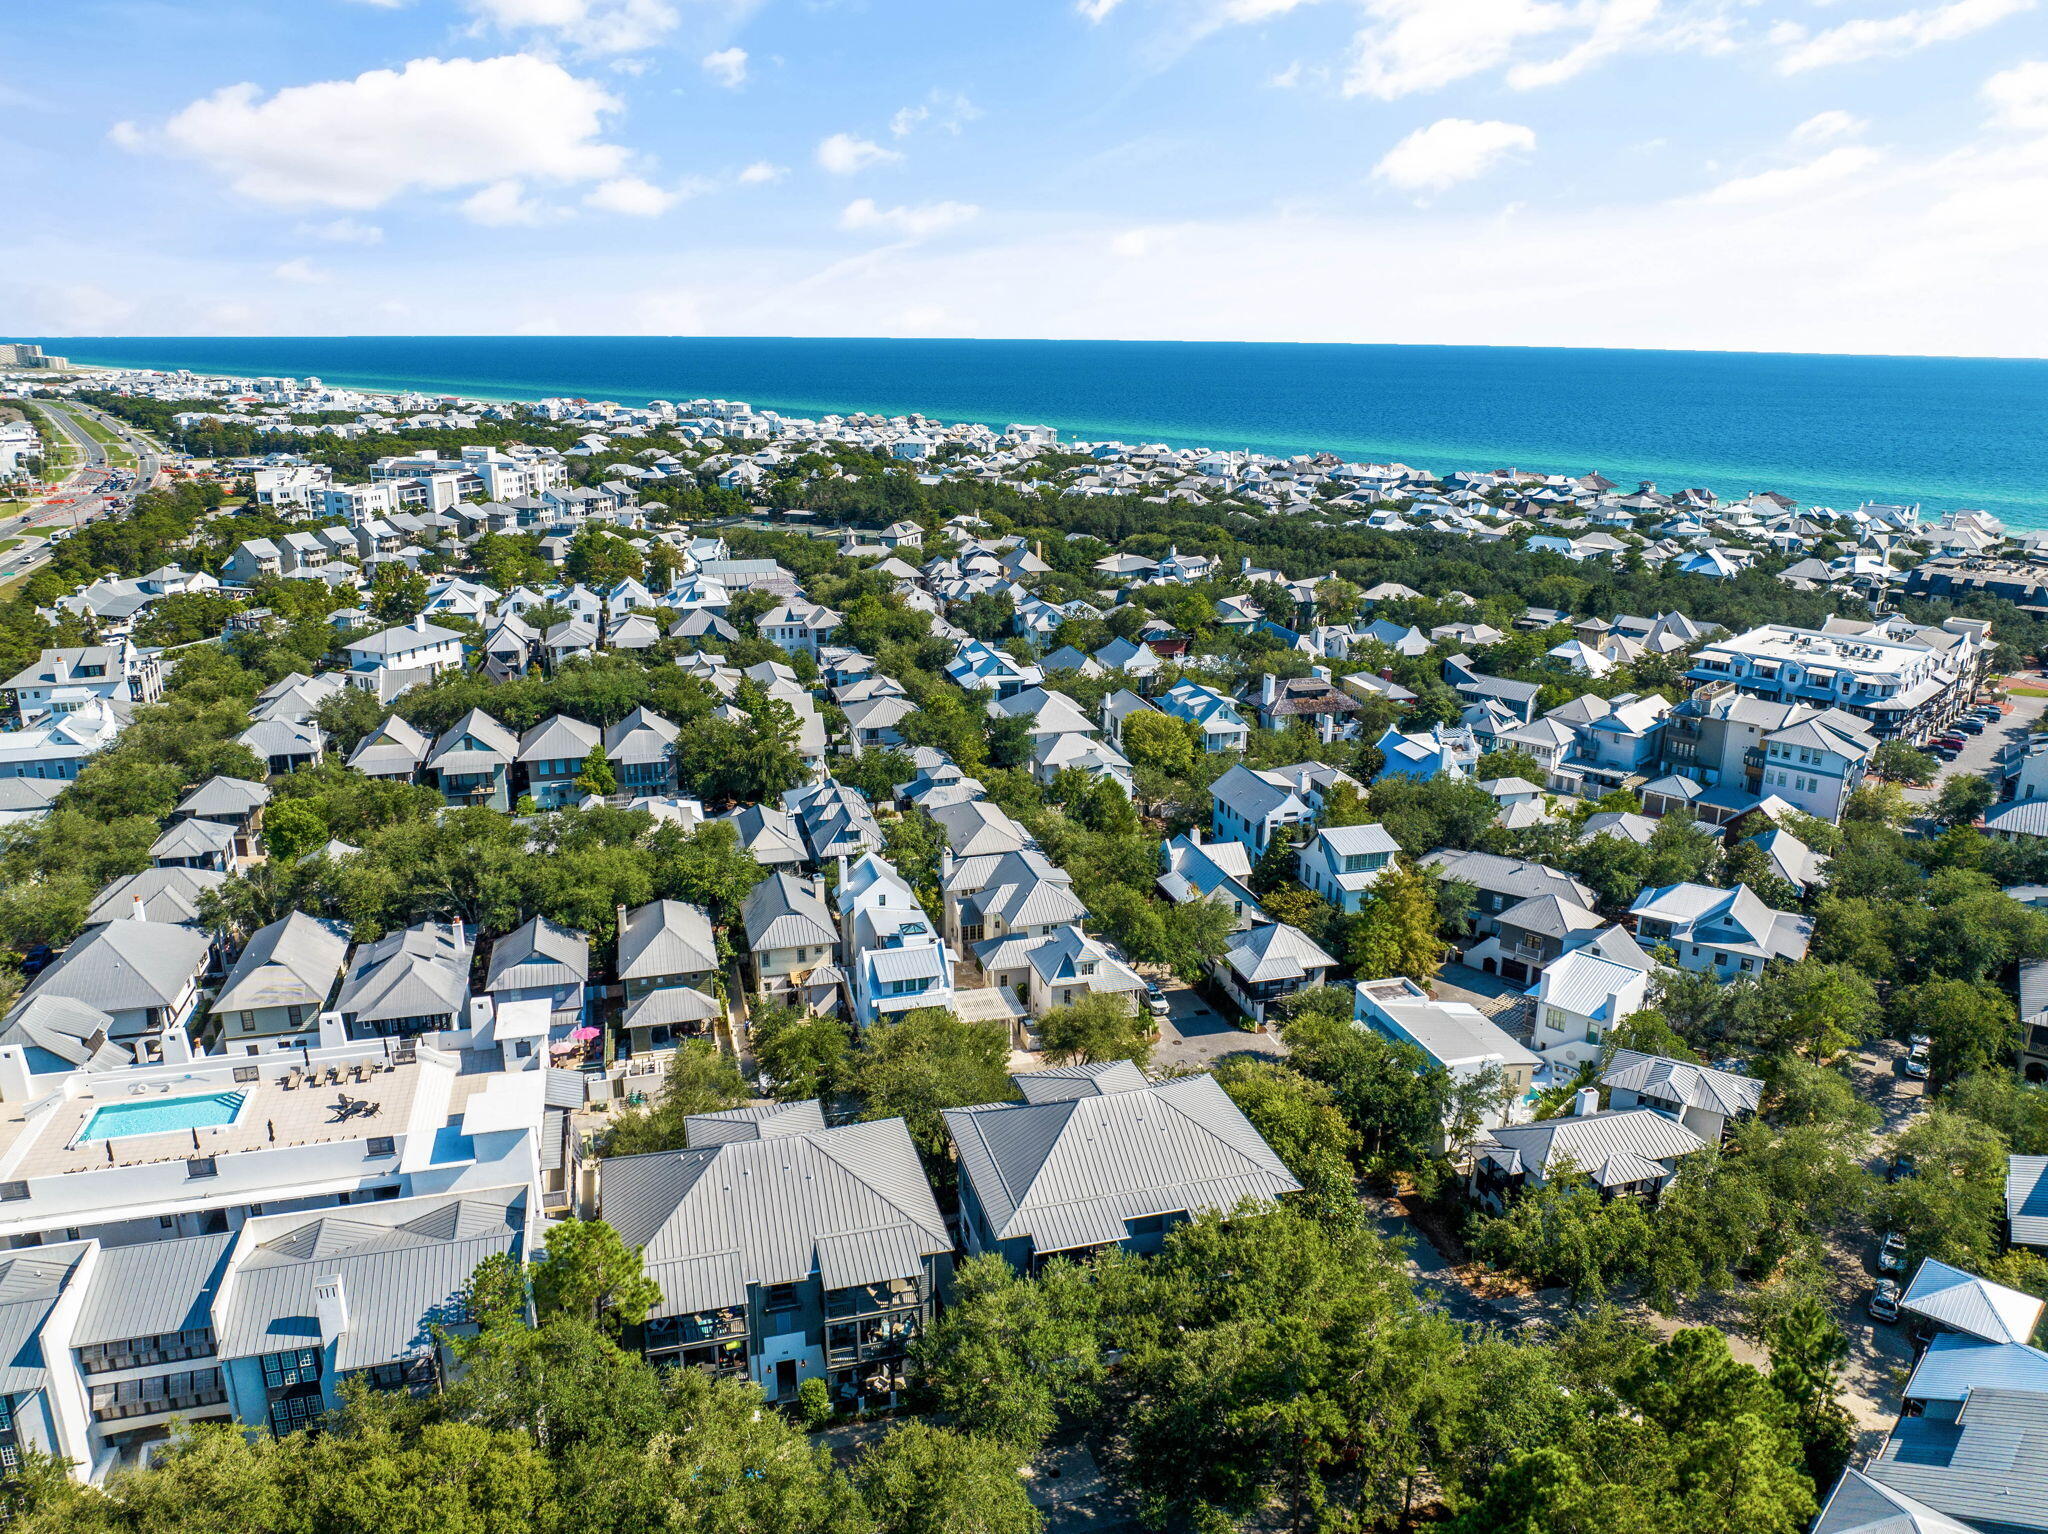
(584, 1035)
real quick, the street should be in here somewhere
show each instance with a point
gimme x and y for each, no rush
(1194, 1035)
(84, 492)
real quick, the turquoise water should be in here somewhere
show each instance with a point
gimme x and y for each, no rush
(1946, 432)
(161, 1115)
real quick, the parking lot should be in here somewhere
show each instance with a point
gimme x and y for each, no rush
(1193, 1034)
(1981, 753)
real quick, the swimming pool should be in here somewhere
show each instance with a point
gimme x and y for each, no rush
(161, 1115)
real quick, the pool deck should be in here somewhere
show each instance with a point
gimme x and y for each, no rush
(270, 1117)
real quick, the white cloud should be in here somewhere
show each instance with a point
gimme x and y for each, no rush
(1409, 46)
(631, 196)
(842, 154)
(1873, 37)
(1449, 151)
(761, 172)
(435, 125)
(912, 223)
(1823, 127)
(343, 231)
(298, 270)
(1819, 174)
(501, 205)
(1095, 10)
(728, 67)
(1286, 79)
(2018, 96)
(589, 26)
(946, 111)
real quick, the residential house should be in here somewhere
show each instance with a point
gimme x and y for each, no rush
(551, 757)
(1248, 805)
(472, 761)
(1580, 998)
(1097, 1158)
(1213, 714)
(789, 934)
(785, 1251)
(799, 627)
(1194, 869)
(1056, 969)
(395, 750)
(389, 661)
(1725, 932)
(1340, 863)
(895, 959)
(1620, 1151)
(58, 681)
(1264, 965)
(668, 974)
(283, 745)
(1707, 1101)
(1453, 1035)
(1502, 882)
(142, 974)
(411, 981)
(543, 969)
(281, 980)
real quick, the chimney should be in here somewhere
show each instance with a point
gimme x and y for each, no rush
(1585, 1102)
(1269, 689)
(16, 1086)
(330, 1305)
(135, 911)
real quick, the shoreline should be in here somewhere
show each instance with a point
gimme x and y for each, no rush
(1728, 480)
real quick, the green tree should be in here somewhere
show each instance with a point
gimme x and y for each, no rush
(597, 776)
(1157, 742)
(1901, 763)
(601, 559)
(1299, 1118)
(1511, 762)
(1396, 932)
(1950, 1207)
(1096, 1028)
(806, 1054)
(927, 1480)
(1963, 799)
(1275, 867)
(1009, 1356)
(1563, 1232)
(708, 867)
(926, 1061)
(587, 1271)
(1969, 1028)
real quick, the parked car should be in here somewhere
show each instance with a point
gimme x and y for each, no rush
(1902, 1166)
(1916, 1067)
(1155, 1003)
(1946, 753)
(1970, 726)
(1884, 1301)
(1891, 1252)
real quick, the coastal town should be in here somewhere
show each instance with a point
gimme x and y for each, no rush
(1116, 983)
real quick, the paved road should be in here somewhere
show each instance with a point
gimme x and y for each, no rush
(1982, 753)
(84, 493)
(1196, 1035)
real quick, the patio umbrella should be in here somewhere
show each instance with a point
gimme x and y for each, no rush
(584, 1035)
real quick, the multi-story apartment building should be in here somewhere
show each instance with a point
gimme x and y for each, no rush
(1902, 680)
(1812, 756)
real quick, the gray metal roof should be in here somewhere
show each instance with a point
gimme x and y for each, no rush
(31, 1282)
(1061, 1083)
(1966, 1303)
(2026, 1200)
(558, 737)
(1613, 1148)
(152, 1287)
(289, 963)
(193, 839)
(1069, 1172)
(1988, 1467)
(783, 911)
(421, 971)
(1693, 1086)
(538, 952)
(126, 965)
(666, 937)
(1516, 877)
(402, 1265)
(1859, 1505)
(756, 1211)
(224, 796)
(1954, 1365)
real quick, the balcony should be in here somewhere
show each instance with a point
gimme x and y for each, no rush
(869, 1299)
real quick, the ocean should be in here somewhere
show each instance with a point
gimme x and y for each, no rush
(1831, 431)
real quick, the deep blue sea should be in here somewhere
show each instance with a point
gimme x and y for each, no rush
(1833, 431)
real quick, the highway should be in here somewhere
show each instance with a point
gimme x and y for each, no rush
(84, 493)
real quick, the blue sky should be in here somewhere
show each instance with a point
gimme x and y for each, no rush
(1813, 175)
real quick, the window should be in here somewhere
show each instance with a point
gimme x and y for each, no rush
(780, 1297)
(381, 1145)
(247, 1073)
(201, 1166)
(298, 1366)
(13, 1192)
